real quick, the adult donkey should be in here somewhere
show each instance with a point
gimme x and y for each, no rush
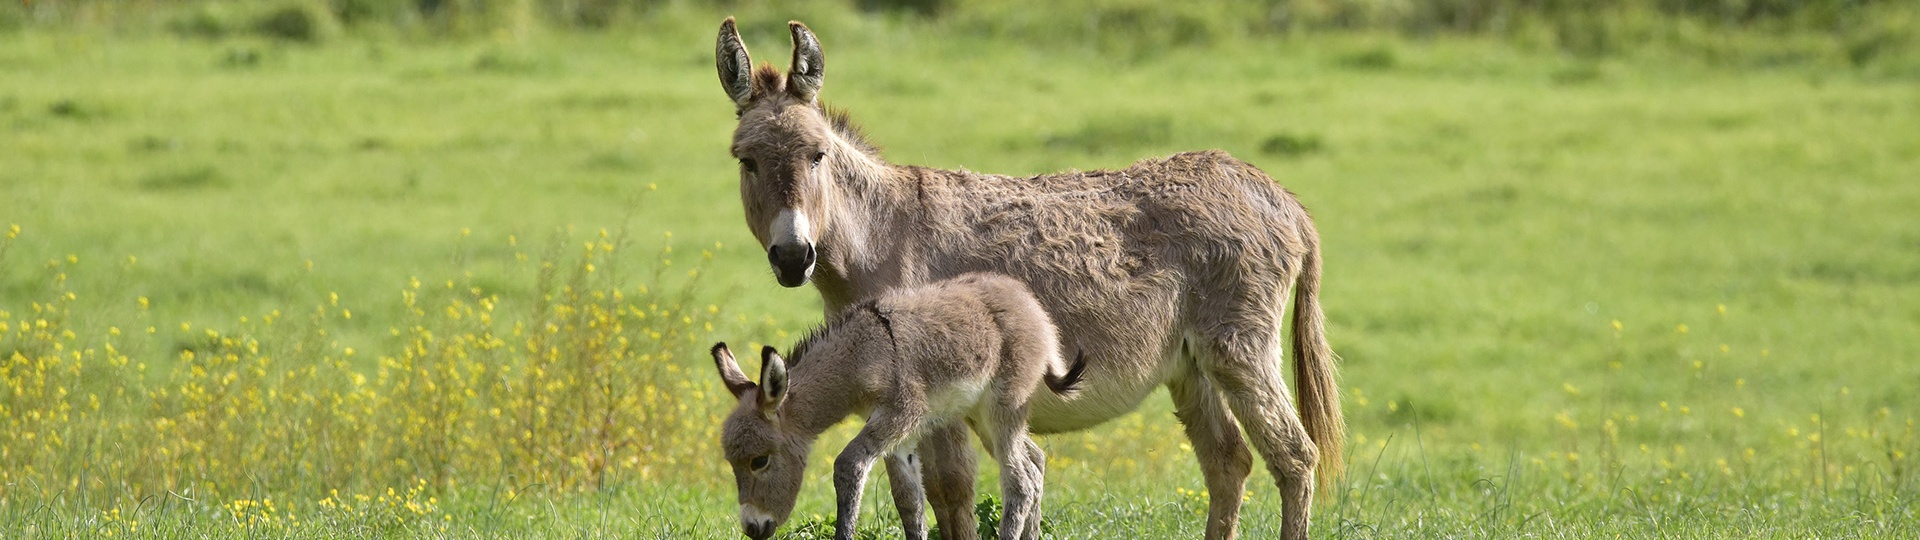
(1171, 272)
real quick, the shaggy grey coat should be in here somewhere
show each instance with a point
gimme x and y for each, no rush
(1173, 272)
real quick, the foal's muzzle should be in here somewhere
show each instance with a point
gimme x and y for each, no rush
(758, 530)
(792, 265)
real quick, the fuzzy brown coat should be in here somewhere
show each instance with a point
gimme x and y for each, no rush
(971, 350)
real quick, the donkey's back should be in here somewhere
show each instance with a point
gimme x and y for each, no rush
(1186, 213)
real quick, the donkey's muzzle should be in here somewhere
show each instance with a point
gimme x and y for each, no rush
(792, 265)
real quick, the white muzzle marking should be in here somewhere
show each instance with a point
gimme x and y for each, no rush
(791, 228)
(753, 514)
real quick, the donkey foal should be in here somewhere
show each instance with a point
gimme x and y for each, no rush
(973, 348)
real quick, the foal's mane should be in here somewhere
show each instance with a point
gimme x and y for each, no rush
(799, 349)
(827, 328)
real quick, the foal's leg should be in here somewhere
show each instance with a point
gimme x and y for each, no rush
(884, 430)
(903, 474)
(1216, 442)
(947, 463)
(1007, 441)
(1243, 359)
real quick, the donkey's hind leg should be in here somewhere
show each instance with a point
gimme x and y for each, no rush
(1243, 360)
(948, 464)
(909, 497)
(1217, 443)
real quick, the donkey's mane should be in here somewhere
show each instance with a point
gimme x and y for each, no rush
(843, 124)
(770, 79)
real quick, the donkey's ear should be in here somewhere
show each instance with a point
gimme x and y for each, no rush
(736, 69)
(773, 381)
(736, 380)
(808, 71)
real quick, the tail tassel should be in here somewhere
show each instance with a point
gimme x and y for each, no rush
(1068, 384)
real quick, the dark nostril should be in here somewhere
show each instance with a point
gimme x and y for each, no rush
(791, 264)
(803, 256)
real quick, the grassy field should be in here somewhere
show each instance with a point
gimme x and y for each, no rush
(387, 287)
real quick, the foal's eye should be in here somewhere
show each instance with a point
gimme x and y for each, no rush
(759, 463)
(817, 157)
(749, 165)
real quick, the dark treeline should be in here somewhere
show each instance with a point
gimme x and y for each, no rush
(1858, 30)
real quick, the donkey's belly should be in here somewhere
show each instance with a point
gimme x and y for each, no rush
(1097, 403)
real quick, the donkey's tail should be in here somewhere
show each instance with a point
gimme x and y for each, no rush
(1313, 365)
(1067, 384)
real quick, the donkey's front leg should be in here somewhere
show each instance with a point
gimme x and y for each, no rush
(909, 495)
(883, 431)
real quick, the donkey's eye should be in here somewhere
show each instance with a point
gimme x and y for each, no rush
(817, 157)
(759, 463)
(748, 165)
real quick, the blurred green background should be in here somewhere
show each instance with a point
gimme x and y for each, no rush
(1640, 266)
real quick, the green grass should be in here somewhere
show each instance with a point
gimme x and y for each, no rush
(1488, 213)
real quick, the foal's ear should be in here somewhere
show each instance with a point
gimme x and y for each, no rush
(773, 381)
(808, 71)
(736, 69)
(736, 380)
